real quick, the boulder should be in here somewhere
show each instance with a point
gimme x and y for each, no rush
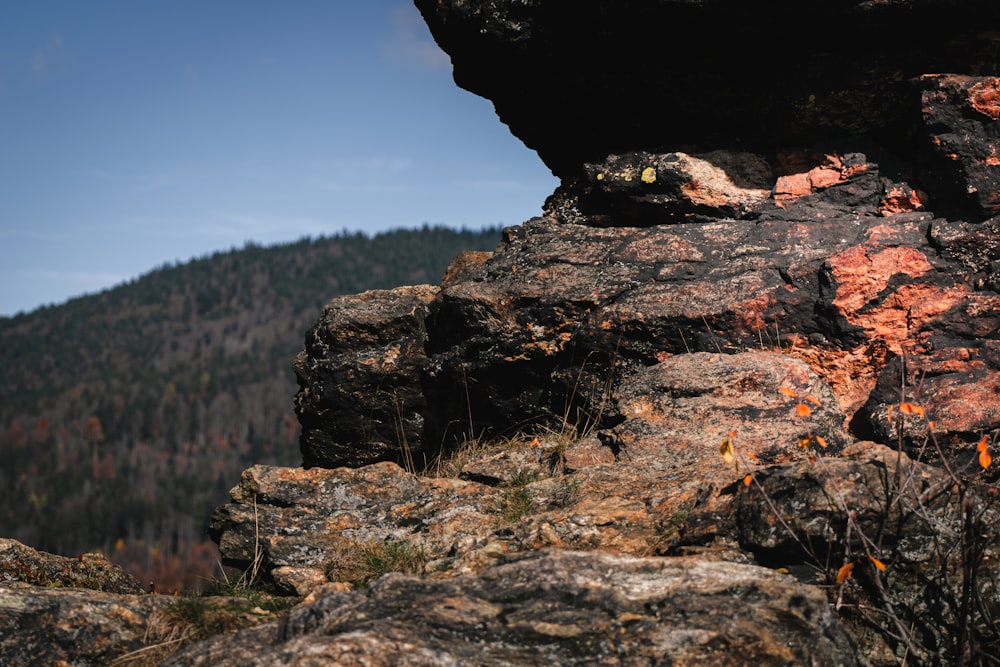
(360, 379)
(19, 562)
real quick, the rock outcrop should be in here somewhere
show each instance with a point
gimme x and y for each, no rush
(360, 378)
(555, 608)
(542, 332)
(616, 489)
(734, 397)
(578, 81)
(88, 612)
(761, 304)
(92, 571)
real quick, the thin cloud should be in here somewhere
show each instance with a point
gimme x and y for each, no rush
(135, 180)
(392, 165)
(235, 227)
(494, 184)
(377, 174)
(83, 279)
(410, 43)
(366, 188)
(49, 57)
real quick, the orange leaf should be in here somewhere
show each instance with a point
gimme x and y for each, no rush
(888, 412)
(844, 572)
(747, 480)
(821, 440)
(911, 409)
(803, 410)
(804, 443)
(879, 565)
(727, 450)
(752, 456)
(982, 445)
(985, 459)
(788, 392)
(815, 401)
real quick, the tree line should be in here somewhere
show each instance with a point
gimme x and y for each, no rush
(127, 415)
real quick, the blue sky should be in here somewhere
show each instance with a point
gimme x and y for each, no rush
(138, 132)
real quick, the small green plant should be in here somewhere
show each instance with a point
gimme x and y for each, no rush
(517, 497)
(680, 516)
(193, 617)
(450, 463)
(570, 490)
(379, 558)
(206, 617)
(361, 563)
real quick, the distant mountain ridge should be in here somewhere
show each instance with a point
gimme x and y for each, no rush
(126, 416)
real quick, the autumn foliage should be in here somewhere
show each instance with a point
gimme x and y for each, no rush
(126, 416)
(870, 580)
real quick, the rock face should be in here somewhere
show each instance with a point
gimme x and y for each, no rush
(542, 332)
(577, 81)
(360, 378)
(757, 322)
(556, 608)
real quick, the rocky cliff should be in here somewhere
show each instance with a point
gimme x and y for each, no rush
(733, 398)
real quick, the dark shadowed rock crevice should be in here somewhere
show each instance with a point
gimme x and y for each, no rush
(577, 81)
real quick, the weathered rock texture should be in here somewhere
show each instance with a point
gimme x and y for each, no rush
(88, 612)
(360, 378)
(616, 489)
(554, 608)
(22, 563)
(542, 332)
(57, 626)
(758, 320)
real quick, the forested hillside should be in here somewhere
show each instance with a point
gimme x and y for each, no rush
(127, 415)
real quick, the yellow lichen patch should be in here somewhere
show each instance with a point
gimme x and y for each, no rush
(627, 175)
(648, 175)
